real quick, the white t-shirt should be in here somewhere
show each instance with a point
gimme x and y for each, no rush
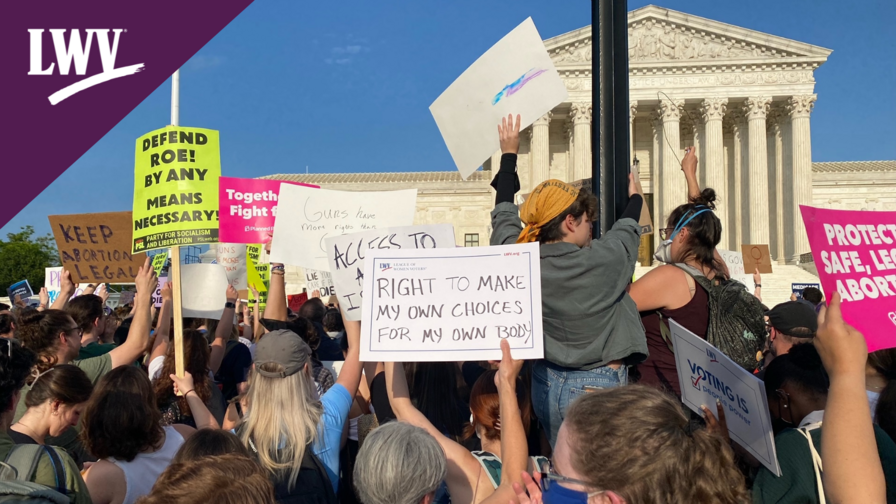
(873, 397)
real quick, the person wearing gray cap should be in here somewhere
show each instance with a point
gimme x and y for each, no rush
(288, 426)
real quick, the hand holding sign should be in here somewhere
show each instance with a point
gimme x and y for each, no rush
(842, 349)
(44, 298)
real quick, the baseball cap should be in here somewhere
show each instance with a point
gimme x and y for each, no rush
(794, 318)
(282, 347)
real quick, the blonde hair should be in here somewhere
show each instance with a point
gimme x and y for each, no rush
(282, 420)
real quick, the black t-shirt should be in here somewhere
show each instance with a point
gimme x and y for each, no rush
(19, 438)
(234, 369)
(330, 349)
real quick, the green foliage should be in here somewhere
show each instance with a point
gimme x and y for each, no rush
(24, 256)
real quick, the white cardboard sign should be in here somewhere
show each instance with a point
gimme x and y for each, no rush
(515, 76)
(318, 280)
(204, 290)
(53, 283)
(436, 305)
(706, 374)
(346, 255)
(306, 216)
(233, 257)
(735, 262)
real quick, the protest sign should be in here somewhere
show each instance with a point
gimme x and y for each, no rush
(756, 256)
(258, 275)
(439, 305)
(798, 288)
(855, 253)
(204, 290)
(321, 281)
(126, 297)
(295, 301)
(705, 375)
(53, 283)
(346, 254)
(157, 294)
(176, 171)
(158, 262)
(96, 248)
(233, 257)
(248, 208)
(21, 289)
(307, 216)
(515, 76)
(735, 263)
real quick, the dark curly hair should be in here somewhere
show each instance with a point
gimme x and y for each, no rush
(121, 419)
(39, 332)
(196, 352)
(16, 364)
(585, 204)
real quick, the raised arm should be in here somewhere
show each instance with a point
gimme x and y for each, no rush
(66, 291)
(463, 469)
(138, 335)
(350, 375)
(258, 329)
(505, 218)
(163, 328)
(757, 285)
(198, 410)
(223, 331)
(852, 467)
(689, 167)
(514, 446)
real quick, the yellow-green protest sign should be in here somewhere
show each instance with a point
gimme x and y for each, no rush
(158, 262)
(258, 275)
(176, 172)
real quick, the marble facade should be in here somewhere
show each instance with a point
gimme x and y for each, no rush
(742, 97)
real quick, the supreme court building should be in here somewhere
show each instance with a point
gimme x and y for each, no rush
(742, 97)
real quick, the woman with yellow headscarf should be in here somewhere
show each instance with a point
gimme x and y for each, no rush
(592, 328)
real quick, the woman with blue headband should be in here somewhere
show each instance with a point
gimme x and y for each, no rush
(689, 243)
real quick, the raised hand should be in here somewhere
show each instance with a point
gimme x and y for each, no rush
(689, 163)
(182, 385)
(509, 135)
(842, 349)
(44, 297)
(66, 284)
(102, 292)
(166, 292)
(146, 280)
(232, 295)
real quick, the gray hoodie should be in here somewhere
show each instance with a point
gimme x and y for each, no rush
(589, 318)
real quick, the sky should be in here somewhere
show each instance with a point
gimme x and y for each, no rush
(346, 86)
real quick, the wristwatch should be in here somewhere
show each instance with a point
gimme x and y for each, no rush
(757, 286)
(229, 305)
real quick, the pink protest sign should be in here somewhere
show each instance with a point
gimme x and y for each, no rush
(247, 208)
(855, 253)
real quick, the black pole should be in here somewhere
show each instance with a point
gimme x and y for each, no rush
(610, 131)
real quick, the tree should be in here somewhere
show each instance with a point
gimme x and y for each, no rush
(24, 256)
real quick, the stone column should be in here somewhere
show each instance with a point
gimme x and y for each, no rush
(783, 233)
(656, 173)
(673, 186)
(737, 131)
(800, 107)
(632, 110)
(774, 205)
(581, 117)
(712, 110)
(756, 109)
(541, 150)
(568, 129)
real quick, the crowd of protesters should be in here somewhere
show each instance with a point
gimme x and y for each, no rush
(276, 406)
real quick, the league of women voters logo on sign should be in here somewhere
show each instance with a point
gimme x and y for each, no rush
(78, 53)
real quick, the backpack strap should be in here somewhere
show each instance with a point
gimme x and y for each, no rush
(816, 463)
(25, 458)
(311, 461)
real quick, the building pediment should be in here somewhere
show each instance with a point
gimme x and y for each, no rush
(662, 37)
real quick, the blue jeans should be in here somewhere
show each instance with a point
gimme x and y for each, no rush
(554, 388)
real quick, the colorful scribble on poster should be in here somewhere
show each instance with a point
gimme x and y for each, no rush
(518, 84)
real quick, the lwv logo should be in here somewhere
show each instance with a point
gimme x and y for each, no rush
(78, 53)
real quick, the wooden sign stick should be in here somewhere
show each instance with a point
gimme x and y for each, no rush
(174, 277)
